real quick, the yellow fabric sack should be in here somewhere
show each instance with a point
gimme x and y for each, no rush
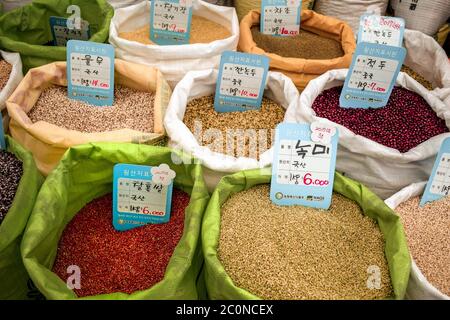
(301, 71)
(48, 142)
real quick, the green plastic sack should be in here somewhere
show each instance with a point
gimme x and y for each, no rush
(13, 276)
(85, 173)
(26, 30)
(221, 286)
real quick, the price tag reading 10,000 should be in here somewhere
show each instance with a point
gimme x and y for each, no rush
(371, 76)
(241, 81)
(280, 17)
(90, 72)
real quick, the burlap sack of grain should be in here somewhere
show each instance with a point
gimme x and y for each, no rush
(418, 286)
(174, 61)
(301, 71)
(244, 6)
(48, 142)
(350, 11)
(382, 169)
(14, 79)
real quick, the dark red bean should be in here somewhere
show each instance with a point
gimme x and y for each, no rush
(10, 173)
(112, 261)
(404, 123)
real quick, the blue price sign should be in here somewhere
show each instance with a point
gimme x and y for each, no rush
(280, 17)
(381, 30)
(2, 133)
(170, 21)
(90, 72)
(62, 33)
(303, 165)
(141, 195)
(438, 185)
(371, 76)
(241, 81)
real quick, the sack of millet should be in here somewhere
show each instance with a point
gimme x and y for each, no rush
(26, 30)
(324, 43)
(428, 232)
(244, 6)
(388, 148)
(231, 141)
(10, 76)
(214, 29)
(71, 228)
(47, 122)
(19, 185)
(355, 250)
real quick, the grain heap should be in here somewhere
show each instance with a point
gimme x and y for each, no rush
(10, 173)
(5, 71)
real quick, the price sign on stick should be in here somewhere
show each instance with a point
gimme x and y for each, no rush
(90, 72)
(241, 81)
(62, 33)
(438, 185)
(2, 133)
(371, 76)
(170, 21)
(303, 164)
(381, 30)
(280, 17)
(141, 195)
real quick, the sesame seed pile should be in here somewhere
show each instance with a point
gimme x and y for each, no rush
(5, 71)
(428, 234)
(132, 109)
(404, 123)
(118, 261)
(10, 173)
(263, 121)
(278, 252)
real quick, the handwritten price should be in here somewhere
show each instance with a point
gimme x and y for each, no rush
(153, 213)
(307, 180)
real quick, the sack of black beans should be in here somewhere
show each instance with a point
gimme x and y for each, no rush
(26, 30)
(214, 29)
(230, 141)
(427, 230)
(255, 249)
(70, 238)
(386, 148)
(324, 43)
(47, 122)
(20, 182)
(428, 60)
(10, 77)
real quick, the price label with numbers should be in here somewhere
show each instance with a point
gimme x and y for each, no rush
(241, 81)
(371, 76)
(381, 30)
(438, 185)
(303, 165)
(141, 195)
(90, 72)
(2, 133)
(280, 17)
(170, 21)
(62, 33)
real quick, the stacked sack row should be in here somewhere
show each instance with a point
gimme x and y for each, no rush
(164, 95)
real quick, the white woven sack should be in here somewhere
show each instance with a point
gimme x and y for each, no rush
(173, 61)
(426, 57)
(350, 11)
(384, 170)
(426, 16)
(14, 79)
(418, 286)
(116, 4)
(197, 84)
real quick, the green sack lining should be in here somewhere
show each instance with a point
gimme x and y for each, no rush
(221, 286)
(13, 276)
(85, 173)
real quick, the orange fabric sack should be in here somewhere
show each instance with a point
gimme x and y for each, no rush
(48, 142)
(301, 71)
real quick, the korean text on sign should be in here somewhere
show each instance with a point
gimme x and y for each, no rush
(280, 17)
(381, 30)
(90, 72)
(241, 82)
(62, 33)
(170, 21)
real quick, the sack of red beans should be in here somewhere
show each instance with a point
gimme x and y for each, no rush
(388, 148)
(10, 77)
(428, 233)
(20, 182)
(296, 252)
(71, 249)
